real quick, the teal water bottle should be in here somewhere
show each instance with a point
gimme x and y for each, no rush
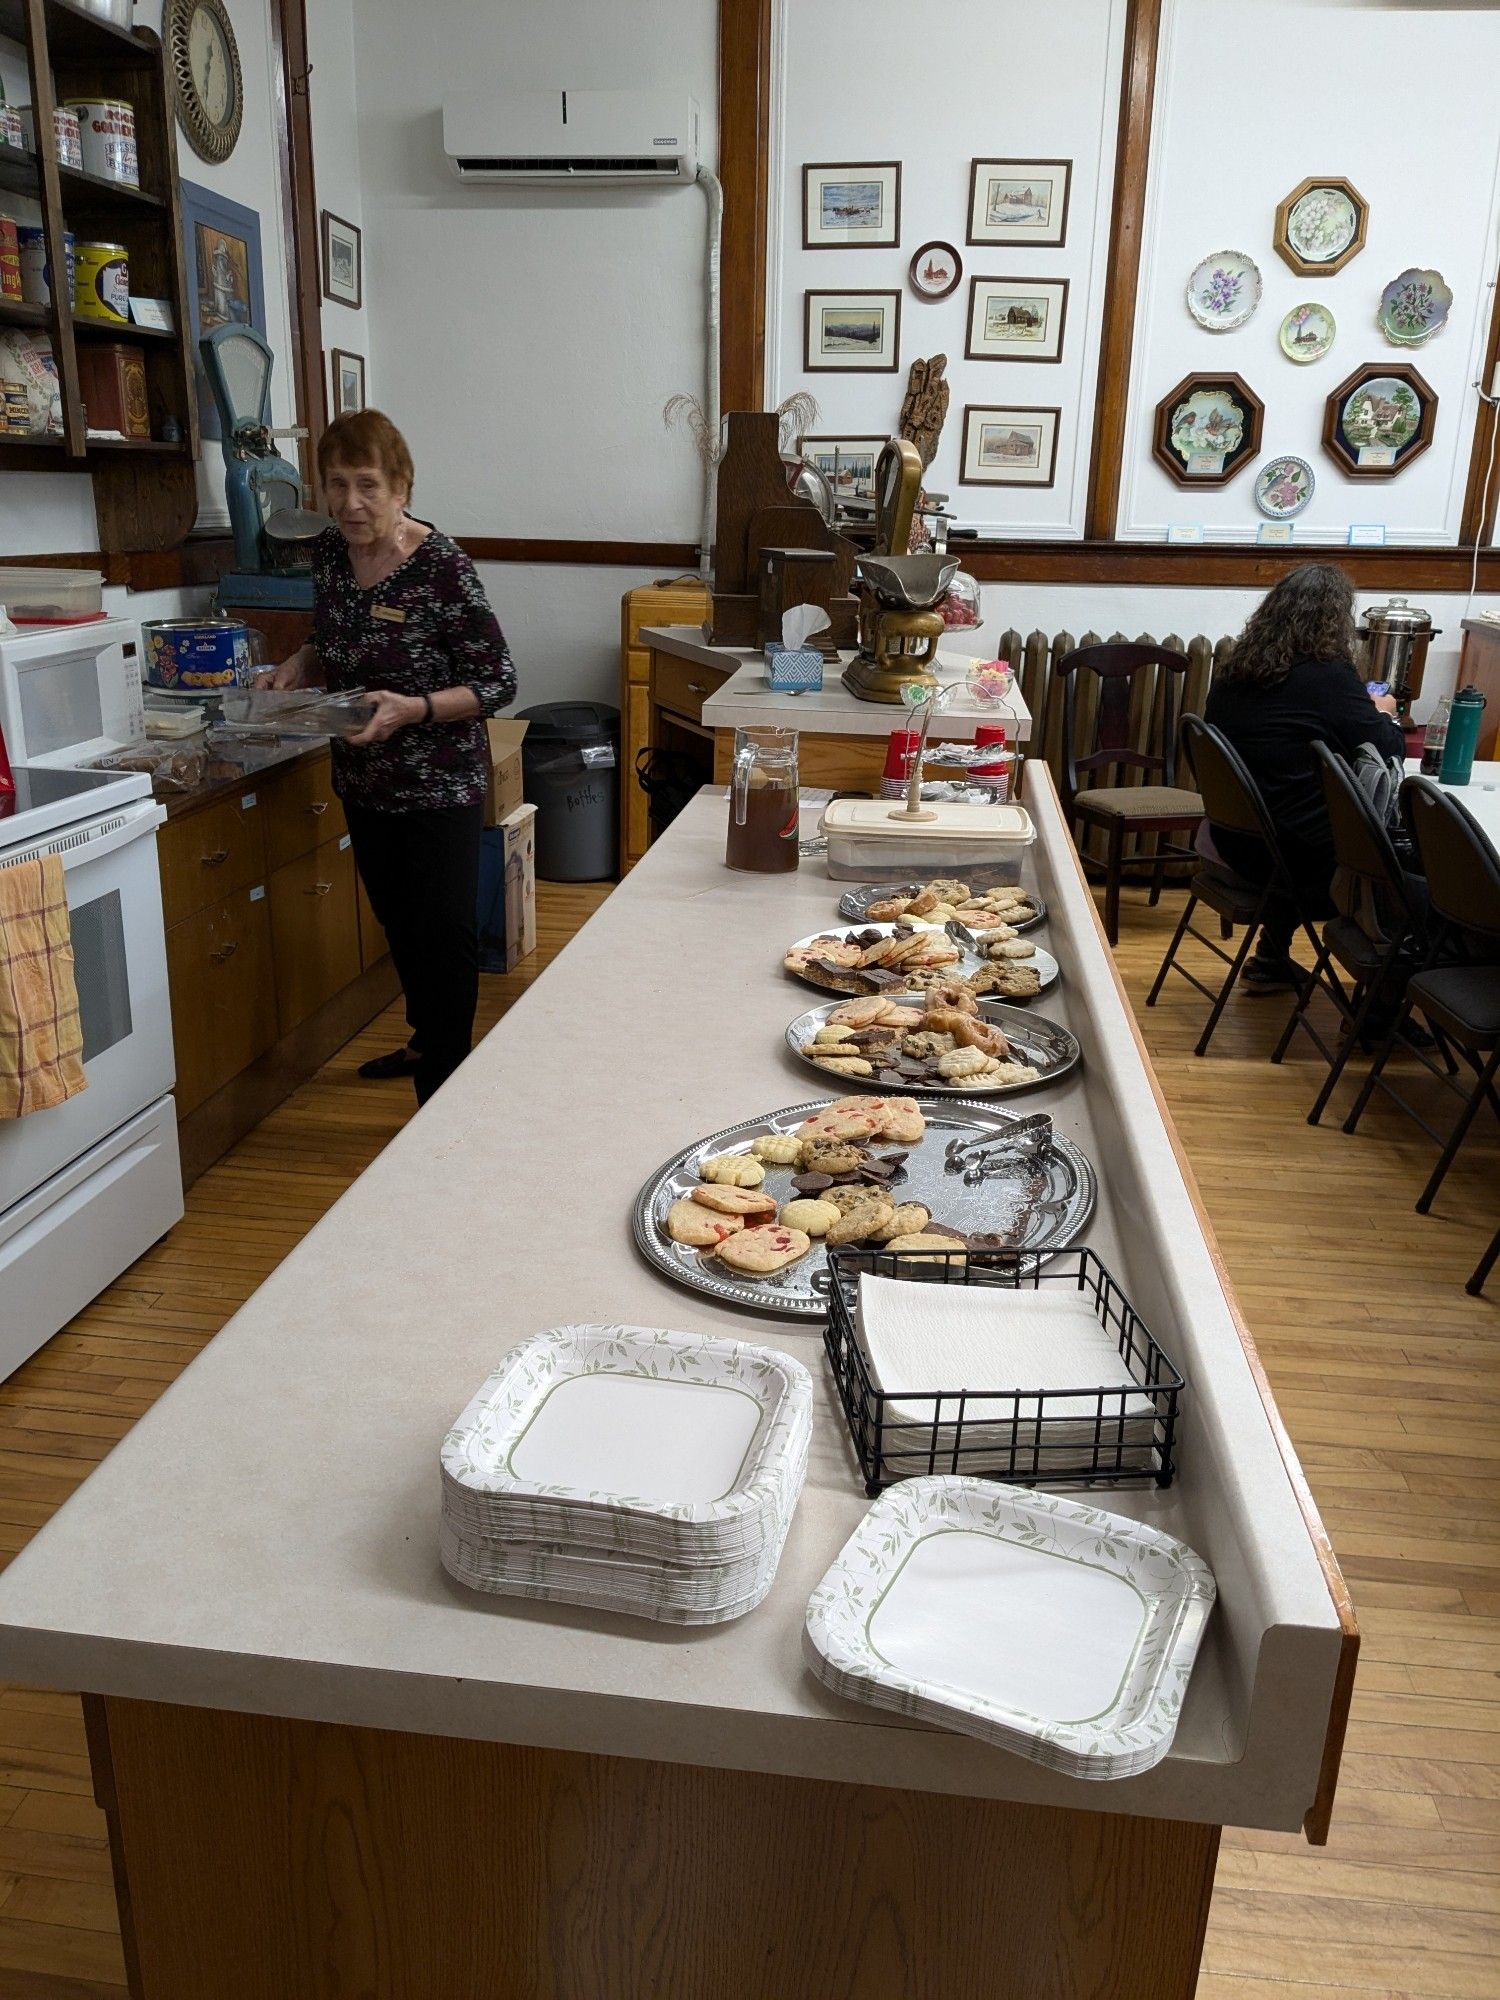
(1463, 736)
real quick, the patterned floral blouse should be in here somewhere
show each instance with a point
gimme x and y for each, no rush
(428, 626)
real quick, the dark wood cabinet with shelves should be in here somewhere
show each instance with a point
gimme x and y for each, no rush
(144, 489)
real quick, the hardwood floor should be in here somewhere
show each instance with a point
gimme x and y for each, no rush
(1387, 1374)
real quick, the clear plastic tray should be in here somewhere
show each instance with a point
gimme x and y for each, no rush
(52, 596)
(296, 711)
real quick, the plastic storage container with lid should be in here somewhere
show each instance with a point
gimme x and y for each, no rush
(865, 844)
(52, 596)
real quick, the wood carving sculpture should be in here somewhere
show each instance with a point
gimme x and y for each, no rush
(923, 411)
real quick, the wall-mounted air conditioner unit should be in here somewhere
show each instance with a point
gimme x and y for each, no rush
(572, 138)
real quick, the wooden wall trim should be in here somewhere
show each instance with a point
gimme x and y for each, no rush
(744, 166)
(1132, 161)
(1232, 566)
(1477, 522)
(611, 555)
(199, 561)
(299, 209)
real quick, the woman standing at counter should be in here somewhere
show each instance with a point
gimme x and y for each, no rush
(400, 610)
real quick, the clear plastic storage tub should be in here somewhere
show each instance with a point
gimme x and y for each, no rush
(52, 596)
(865, 844)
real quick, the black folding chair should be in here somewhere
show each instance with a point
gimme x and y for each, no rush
(1457, 990)
(1381, 912)
(1232, 800)
(1485, 1265)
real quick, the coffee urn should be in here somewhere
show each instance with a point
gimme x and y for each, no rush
(1396, 637)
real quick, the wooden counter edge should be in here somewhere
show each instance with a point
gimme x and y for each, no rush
(1316, 1820)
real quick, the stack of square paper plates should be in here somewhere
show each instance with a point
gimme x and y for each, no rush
(1040, 1624)
(630, 1469)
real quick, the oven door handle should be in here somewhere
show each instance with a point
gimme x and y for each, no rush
(141, 817)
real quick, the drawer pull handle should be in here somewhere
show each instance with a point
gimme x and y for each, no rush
(318, 889)
(318, 806)
(696, 687)
(216, 859)
(225, 951)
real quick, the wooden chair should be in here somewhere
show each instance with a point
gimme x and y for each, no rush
(1125, 811)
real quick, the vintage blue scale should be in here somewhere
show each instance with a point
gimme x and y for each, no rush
(263, 491)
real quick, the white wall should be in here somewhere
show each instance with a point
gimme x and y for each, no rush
(872, 80)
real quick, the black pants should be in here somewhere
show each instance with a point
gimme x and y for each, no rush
(1309, 864)
(421, 874)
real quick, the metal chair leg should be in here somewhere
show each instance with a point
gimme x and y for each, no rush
(1226, 928)
(1457, 1136)
(1226, 989)
(1382, 1057)
(1114, 863)
(1485, 1265)
(1365, 998)
(1177, 936)
(1158, 876)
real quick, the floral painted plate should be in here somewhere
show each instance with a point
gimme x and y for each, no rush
(1307, 333)
(1414, 307)
(1322, 225)
(1224, 291)
(1284, 488)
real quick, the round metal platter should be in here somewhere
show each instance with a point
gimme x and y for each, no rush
(854, 903)
(1046, 1045)
(1039, 1204)
(960, 968)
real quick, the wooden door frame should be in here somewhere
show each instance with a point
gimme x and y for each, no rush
(291, 82)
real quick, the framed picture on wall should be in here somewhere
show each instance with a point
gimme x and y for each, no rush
(343, 261)
(225, 282)
(1009, 447)
(847, 463)
(348, 382)
(851, 207)
(1379, 419)
(1207, 429)
(1019, 201)
(854, 333)
(1016, 319)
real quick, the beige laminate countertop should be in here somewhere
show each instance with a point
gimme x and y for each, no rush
(265, 1538)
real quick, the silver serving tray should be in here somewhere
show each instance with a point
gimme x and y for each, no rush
(1043, 1204)
(960, 968)
(854, 903)
(1046, 1045)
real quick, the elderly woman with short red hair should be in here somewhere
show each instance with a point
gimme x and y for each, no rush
(400, 611)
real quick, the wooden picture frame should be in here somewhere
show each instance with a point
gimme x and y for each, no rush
(1028, 296)
(820, 448)
(1009, 465)
(346, 382)
(848, 358)
(1007, 184)
(1214, 387)
(343, 261)
(223, 275)
(866, 194)
(1282, 234)
(1368, 456)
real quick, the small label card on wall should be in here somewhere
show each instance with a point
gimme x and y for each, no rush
(1274, 531)
(153, 313)
(1367, 534)
(1185, 531)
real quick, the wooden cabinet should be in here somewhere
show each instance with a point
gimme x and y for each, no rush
(683, 602)
(373, 943)
(223, 994)
(207, 855)
(1479, 665)
(680, 687)
(314, 930)
(302, 811)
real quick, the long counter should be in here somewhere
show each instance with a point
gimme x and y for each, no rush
(264, 1542)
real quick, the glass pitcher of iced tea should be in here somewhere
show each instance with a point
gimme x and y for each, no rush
(763, 825)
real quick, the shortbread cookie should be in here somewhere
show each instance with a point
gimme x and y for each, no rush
(833, 1033)
(845, 1118)
(901, 1120)
(700, 1228)
(867, 1218)
(1015, 1072)
(1011, 947)
(960, 1063)
(923, 1241)
(762, 1251)
(812, 1217)
(853, 1064)
(910, 1219)
(732, 1170)
(733, 1201)
(777, 1149)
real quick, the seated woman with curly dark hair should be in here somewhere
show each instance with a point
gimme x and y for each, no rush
(1289, 683)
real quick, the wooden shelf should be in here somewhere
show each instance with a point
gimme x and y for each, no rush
(103, 329)
(18, 174)
(76, 36)
(141, 447)
(91, 194)
(14, 312)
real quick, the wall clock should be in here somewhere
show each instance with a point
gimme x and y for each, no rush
(205, 64)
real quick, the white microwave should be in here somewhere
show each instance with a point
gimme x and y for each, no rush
(70, 693)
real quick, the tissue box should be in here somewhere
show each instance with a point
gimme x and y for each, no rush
(793, 670)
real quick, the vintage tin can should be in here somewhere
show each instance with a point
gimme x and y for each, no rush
(66, 145)
(197, 653)
(106, 132)
(10, 260)
(101, 282)
(12, 127)
(36, 278)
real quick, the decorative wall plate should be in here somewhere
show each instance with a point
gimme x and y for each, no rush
(1284, 487)
(1224, 290)
(1378, 419)
(1321, 225)
(1414, 307)
(1307, 333)
(935, 271)
(1207, 429)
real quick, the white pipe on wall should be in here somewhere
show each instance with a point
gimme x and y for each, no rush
(709, 182)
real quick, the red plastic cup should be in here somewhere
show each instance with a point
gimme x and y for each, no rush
(900, 752)
(989, 732)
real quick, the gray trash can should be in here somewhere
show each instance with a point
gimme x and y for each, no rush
(570, 761)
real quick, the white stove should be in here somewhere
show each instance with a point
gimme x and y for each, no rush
(88, 1185)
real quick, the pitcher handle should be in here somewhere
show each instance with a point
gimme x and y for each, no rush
(744, 764)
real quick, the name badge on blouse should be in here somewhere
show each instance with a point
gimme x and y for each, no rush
(390, 613)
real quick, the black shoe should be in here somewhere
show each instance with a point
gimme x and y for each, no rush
(399, 1062)
(1272, 975)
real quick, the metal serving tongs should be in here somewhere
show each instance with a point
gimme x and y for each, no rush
(987, 1158)
(963, 936)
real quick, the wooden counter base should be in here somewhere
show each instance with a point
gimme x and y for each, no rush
(264, 1858)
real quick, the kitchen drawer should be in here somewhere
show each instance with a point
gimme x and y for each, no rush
(223, 994)
(209, 855)
(682, 685)
(301, 811)
(314, 930)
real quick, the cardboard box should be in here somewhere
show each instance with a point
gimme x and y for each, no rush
(505, 734)
(507, 892)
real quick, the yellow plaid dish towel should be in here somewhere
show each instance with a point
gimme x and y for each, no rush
(41, 1036)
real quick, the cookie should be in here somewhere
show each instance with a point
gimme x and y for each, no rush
(777, 1149)
(732, 1170)
(1015, 1072)
(959, 1063)
(910, 1219)
(948, 889)
(853, 1194)
(888, 908)
(866, 1218)
(832, 1034)
(686, 1222)
(733, 1201)
(762, 1251)
(925, 1043)
(829, 1156)
(901, 1120)
(1016, 982)
(924, 1241)
(844, 1118)
(852, 1064)
(1012, 947)
(859, 1013)
(813, 1218)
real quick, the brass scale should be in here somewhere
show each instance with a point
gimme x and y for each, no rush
(899, 629)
